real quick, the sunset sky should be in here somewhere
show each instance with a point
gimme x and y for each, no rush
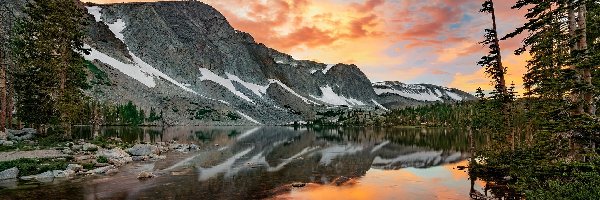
(413, 41)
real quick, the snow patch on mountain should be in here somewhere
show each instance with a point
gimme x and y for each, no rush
(292, 91)
(330, 97)
(131, 70)
(138, 64)
(248, 118)
(421, 96)
(454, 96)
(379, 105)
(327, 68)
(95, 11)
(208, 75)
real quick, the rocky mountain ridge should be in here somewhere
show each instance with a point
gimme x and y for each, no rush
(186, 60)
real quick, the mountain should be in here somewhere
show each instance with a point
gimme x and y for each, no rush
(185, 59)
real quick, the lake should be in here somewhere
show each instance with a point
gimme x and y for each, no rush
(281, 163)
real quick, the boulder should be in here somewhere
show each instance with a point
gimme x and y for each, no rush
(143, 150)
(116, 156)
(11, 173)
(62, 173)
(8, 143)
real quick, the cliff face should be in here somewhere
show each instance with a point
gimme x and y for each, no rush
(185, 59)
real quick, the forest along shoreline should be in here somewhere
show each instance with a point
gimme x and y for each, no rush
(27, 156)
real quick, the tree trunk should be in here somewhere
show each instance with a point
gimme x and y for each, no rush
(575, 95)
(2, 92)
(10, 104)
(588, 94)
(501, 79)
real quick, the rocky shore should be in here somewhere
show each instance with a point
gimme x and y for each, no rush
(81, 158)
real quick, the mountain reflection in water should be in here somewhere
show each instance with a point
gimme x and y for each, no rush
(264, 162)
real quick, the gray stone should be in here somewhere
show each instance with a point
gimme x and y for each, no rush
(8, 143)
(143, 150)
(116, 156)
(11, 173)
(60, 174)
(157, 157)
(140, 158)
(43, 177)
(74, 167)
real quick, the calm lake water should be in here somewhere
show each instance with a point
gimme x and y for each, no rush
(264, 163)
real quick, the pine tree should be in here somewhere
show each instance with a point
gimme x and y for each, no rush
(49, 75)
(493, 61)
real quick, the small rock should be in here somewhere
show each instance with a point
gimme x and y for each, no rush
(507, 178)
(145, 175)
(83, 158)
(112, 171)
(2, 135)
(298, 184)
(216, 145)
(101, 164)
(157, 157)
(139, 158)
(193, 147)
(11, 173)
(77, 147)
(74, 167)
(89, 147)
(101, 170)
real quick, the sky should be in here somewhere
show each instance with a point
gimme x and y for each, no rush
(412, 41)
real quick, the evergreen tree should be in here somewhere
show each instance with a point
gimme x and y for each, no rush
(49, 75)
(493, 61)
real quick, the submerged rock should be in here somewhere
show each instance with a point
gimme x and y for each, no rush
(341, 180)
(298, 184)
(11, 173)
(43, 177)
(145, 175)
(103, 170)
